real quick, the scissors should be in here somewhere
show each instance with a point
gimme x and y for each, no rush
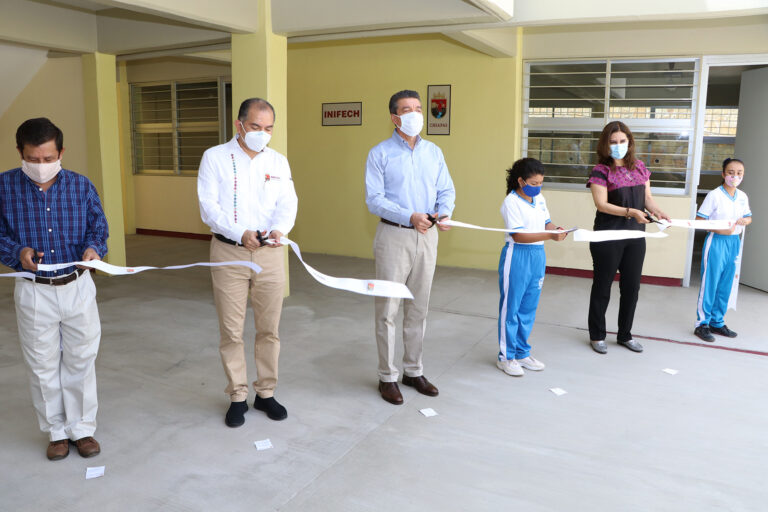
(263, 241)
(650, 218)
(433, 219)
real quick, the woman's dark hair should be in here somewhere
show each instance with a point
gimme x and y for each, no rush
(37, 132)
(604, 146)
(725, 164)
(523, 168)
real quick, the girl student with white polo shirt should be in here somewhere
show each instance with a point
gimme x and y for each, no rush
(522, 265)
(721, 250)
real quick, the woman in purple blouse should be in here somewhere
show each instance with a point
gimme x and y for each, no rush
(621, 189)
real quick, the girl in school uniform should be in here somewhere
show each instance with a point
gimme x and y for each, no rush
(721, 249)
(522, 264)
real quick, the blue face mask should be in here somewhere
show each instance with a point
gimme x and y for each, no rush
(618, 151)
(530, 190)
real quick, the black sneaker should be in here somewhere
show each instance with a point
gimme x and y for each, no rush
(702, 332)
(274, 410)
(722, 331)
(236, 414)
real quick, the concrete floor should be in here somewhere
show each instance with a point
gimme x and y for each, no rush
(626, 436)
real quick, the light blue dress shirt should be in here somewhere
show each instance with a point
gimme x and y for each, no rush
(400, 181)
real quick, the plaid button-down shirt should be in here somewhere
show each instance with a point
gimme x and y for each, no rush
(61, 223)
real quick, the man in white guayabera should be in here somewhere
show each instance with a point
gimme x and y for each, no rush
(408, 186)
(247, 198)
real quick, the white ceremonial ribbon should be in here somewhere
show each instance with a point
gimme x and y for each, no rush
(735, 286)
(451, 222)
(373, 287)
(579, 235)
(608, 235)
(696, 224)
(116, 270)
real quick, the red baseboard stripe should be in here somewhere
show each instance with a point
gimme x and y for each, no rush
(577, 272)
(695, 344)
(172, 234)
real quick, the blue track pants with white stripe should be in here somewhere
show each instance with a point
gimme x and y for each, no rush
(521, 275)
(718, 267)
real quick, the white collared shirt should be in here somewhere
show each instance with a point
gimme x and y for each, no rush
(519, 213)
(237, 192)
(720, 205)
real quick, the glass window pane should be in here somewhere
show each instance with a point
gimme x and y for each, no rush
(665, 66)
(197, 102)
(153, 151)
(576, 67)
(666, 156)
(151, 104)
(568, 157)
(192, 145)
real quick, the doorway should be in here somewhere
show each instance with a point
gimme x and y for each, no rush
(717, 131)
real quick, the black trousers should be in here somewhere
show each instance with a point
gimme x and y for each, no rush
(627, 257)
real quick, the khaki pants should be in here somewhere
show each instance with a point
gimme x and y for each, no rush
(60, 331)
(405, 256)
(232, 285)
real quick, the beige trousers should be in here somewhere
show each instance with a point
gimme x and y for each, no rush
(405, 256)
(60, 331)
(232, 285)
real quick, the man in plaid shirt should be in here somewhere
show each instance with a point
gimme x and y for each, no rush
(52, 215)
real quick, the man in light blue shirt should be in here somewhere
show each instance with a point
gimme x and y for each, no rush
(408, 186)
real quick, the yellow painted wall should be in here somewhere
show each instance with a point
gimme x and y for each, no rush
(671, 38)
(328, 163)
(168, 203)
(55, 92)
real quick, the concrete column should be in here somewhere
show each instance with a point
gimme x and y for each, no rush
(126, 152)
(103, 145)
(260, 69)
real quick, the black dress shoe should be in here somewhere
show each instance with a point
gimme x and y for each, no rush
(722, 331)
(236, 414)
(421, 384)
(274, 410)
(702, 332)
(390, 392)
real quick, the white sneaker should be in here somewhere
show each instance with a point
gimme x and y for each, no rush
(529, 363)
(510, 367)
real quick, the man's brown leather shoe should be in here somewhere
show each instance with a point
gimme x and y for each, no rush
(57, 450)
(87, 447)
(421, 384)
(390, 392)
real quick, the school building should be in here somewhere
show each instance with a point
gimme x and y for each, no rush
(141, 88)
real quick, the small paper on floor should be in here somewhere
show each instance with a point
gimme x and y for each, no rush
(428, 412)
(94, 472)
(264, 444)
(558, 391)
(670, 371)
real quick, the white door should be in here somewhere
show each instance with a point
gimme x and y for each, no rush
(751, 147)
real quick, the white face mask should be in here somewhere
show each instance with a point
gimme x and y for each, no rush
(733, 181)
(42, 172)
(257, 141)
(411, 123)
(619, 151)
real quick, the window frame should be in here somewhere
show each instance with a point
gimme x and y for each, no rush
(686, 127)
(174, 129)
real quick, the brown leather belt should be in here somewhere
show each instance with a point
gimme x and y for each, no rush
(385, 221)
(222, 238)
(58, 281)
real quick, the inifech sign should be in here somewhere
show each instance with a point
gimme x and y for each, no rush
(342, 114)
